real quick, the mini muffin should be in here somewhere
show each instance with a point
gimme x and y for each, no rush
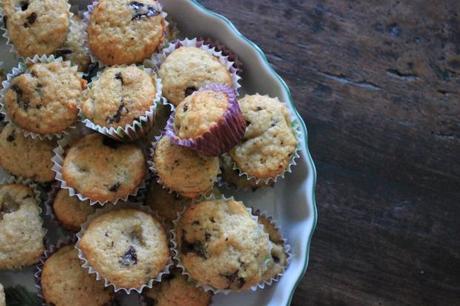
(2, 296)
(209, 121)
(232, 178)
(70, 211)
(125, 31)
(222, 246)
(119, 96)
(74, 49)
(187, 69)
(128, 247)
(64, 282)
(21, 227)
(279, 255)
(36, 26)
(24, 156)
(183, 170)
(102, 169)
(44, 99)
(269, 142)
(176, 290)
(166, 205)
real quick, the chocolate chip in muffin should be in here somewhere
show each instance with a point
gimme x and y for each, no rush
(142, 10)
(119, 76)
(115, 187)
(129, 258)
(5, 21)
(12, 136)
(122, 109)
(30, 20)
(233, 278)
(24, 5)
(196, 247)
(20, 99)
(190, 90)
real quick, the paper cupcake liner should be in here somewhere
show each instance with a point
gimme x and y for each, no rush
(221, 137)
(226, 51)
(157, 59)
(12, 48)
(295, 126)
(87, 266)
(178, 261)
(87, 16)
(20, 69)
(226, 165)
(58, 161)
(153, 169)
(286, 246)
(138, 127)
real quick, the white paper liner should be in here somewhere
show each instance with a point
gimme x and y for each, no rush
(87, 16)
(296, 128)
(157, 59)
(286, 246)
(176, 253)
(137, 128)
(87, 266)
(5, 34)
(16, 71)
(152, 168)
(58, 161)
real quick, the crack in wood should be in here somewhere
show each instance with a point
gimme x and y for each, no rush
(343, 79)
(401, 75)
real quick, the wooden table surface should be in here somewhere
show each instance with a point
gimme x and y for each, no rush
(378, 84)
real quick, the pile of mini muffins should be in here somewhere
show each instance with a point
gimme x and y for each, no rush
(121, 134)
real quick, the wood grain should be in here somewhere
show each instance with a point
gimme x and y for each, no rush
(378, 84)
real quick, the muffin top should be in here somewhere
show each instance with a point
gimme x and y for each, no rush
(221, 245)
(64, 281)
(70, 211)
(119, 96)
(24, 156)
(176, 290)
(102, 169)
(269, 141)
(126, 246)
(199, 112)
(184, 170)
(233, 178)
(125, 31)
(36, 26)
(167, 205)
(74, 48)
(21, 231)
(187, 69)
(279, 257)
(44, 99)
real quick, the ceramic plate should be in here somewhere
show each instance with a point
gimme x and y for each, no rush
(291, 202)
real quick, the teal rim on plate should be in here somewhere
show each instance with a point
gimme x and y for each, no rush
(304, 128)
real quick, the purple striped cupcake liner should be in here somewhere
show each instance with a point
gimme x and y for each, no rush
(222, 136)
